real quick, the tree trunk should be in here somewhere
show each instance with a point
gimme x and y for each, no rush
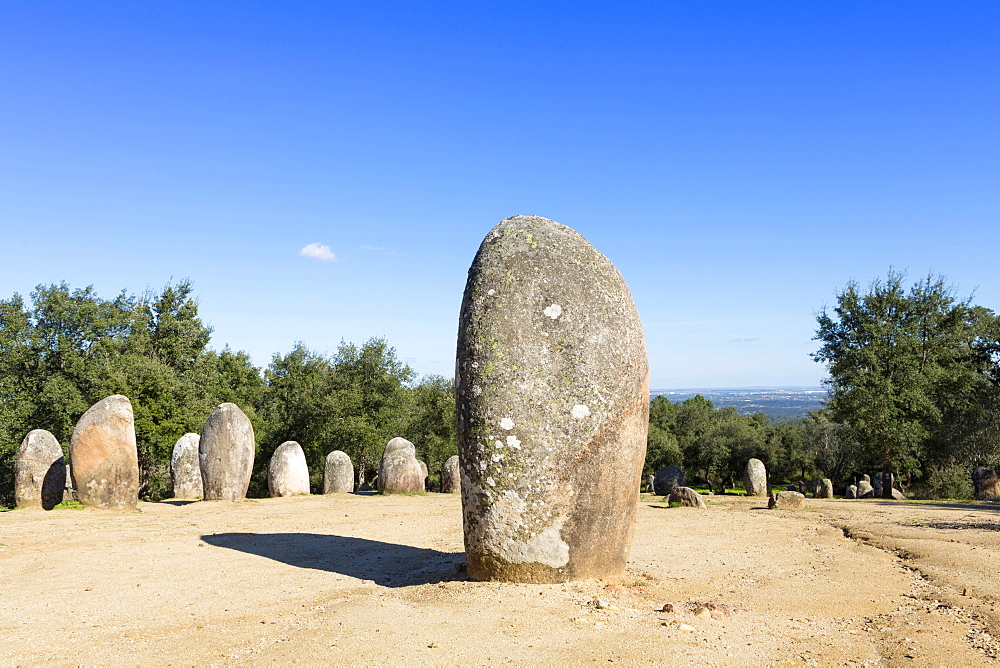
(887, 479)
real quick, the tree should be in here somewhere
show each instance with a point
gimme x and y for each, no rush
(431, 423)
(902, 362)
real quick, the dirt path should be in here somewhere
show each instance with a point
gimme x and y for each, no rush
(353, 579)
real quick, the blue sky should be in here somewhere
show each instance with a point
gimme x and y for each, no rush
(738, 161)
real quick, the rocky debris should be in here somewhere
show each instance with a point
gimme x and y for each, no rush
(851, 492)
(287, 472)
(105, 460)
(39, 471)
(553, 407)
(755, 478)
(451, 482)
(338, 473)
(666, 479)
(986, 484)
(226, 450)
(825, 489)
(399, 472)
(686, 497)
(185, 468)
(786, 500)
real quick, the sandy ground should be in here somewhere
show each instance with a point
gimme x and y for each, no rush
(355, 579)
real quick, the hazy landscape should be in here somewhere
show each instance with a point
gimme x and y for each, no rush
(779, 404)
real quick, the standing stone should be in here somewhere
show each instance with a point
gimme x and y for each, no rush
(185, 468)
(786, 500)
(825, 489)
(287, 472)
(105, 459)
(553, 406)
(650, 484)
(666, 479)
(867, 478)
(851, 492)
(226, 451)
(69, 494)
(399, 471)
(39, 471)
(425, 471)
(686, 497)
(986, 484)
(865, 490)
(338, 473)
(451, 482)
(755, 478)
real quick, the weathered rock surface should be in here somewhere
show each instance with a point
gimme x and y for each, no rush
(338, 473)
(399, 471)
(786, 500)
(451, 479)
(867, 478)
(104, 456)
(287, 472)
(185, 468)
(39, 471)
(666, 479)
(69, 494)
(825, 489)
(650, 486)
(553, 404)
(226, 450)
(424, 471)
(986, 484)
(755, 478)
(851, 492)
(865, 490)
(686, 497)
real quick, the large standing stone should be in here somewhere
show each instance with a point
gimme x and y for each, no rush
(825, 489)
(755, 478)
(399, 471)
(287, 472)
(865, 489)
(786, 500)
(851, 492)
(39, 471)
(226, 450)
(338, 473)
(104, 456)
(650, 484)
(686, 497)
(666, 479)
(185, 468)
(451, 481)
(553, 405)
(986, 484)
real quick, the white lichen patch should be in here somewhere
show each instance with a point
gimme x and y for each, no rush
(491, 482)
(507, 424)
(580, 411)
(553, 311)
(513, 442)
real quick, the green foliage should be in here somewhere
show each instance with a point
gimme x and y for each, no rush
(949, 481)
(907, 368)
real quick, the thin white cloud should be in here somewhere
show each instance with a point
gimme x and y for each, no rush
(750, 340)
(318, 252)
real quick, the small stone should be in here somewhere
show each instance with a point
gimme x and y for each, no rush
(451, 481)
(851, 492)
(338, 473)
(667, 607)
(185, 468)
(786, 500)
(287, 472)
(755, 478)
(399, 471)
(703, 613)
(686, 497)
(39, 471)
(687, 628)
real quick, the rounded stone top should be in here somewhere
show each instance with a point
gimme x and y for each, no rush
(400, 443)
(338, 455)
